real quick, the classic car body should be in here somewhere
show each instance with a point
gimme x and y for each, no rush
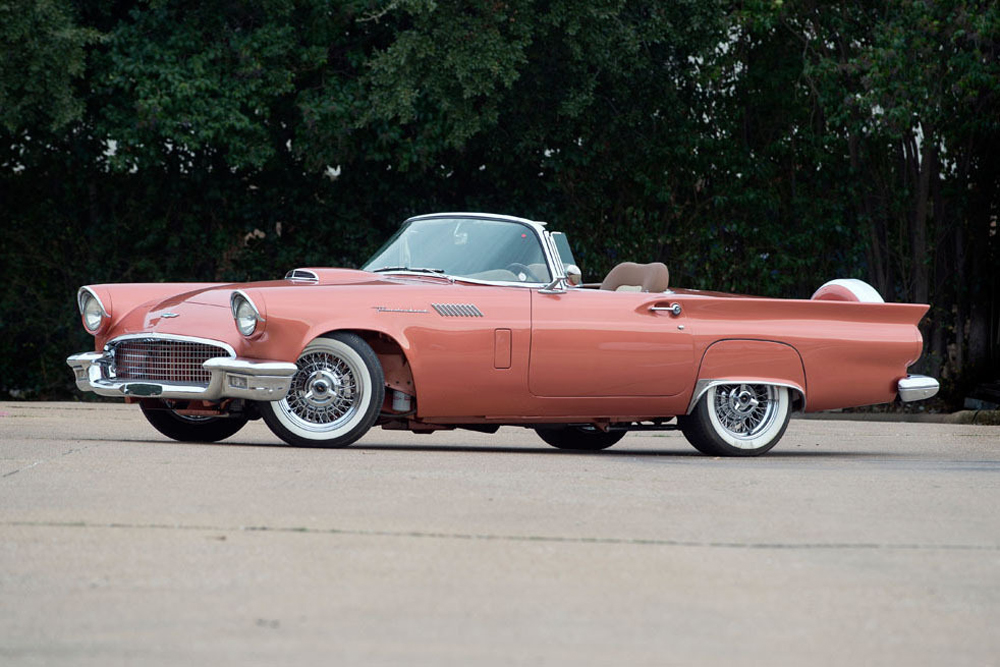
(475, 321)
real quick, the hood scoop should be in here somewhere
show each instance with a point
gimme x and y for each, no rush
(304, 275)
(319, 276)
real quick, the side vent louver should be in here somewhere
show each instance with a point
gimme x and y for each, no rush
(457, 310)
(302, 274)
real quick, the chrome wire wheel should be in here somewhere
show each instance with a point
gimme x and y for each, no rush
(326, 391)
(335, 396)
(738, 419)
(745, 411)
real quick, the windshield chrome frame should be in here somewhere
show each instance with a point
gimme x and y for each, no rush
(556, 269)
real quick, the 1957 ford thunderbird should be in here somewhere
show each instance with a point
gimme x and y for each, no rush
(469, 320)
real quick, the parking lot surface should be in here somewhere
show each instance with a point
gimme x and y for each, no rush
(849, 543)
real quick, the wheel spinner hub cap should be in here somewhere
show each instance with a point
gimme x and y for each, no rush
(742, 401)
(325, 393)
(745, 410)
(322, 388)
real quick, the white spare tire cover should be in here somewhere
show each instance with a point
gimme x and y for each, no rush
(848, 289)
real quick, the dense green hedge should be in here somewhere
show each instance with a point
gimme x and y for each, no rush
(756, 146)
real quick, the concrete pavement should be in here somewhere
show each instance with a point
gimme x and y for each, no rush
(851, 542)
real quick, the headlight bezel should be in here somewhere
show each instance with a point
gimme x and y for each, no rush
(86, 300)
(247, 323)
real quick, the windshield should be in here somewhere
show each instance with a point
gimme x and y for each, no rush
(495, 250)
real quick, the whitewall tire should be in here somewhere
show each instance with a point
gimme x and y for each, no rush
(335, 396)
(738, 419)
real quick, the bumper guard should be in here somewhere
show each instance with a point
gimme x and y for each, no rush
(917, 388)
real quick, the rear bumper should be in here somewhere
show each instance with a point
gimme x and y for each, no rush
(917, 388)
(251, 379)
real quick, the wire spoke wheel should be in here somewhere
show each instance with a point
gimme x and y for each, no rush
(326, 391)
(745, 410)
(334, 397)
(737, 419)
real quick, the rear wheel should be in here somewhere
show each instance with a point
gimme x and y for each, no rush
(578, 437)
(737, 419)
(335, 395)
(190, 428)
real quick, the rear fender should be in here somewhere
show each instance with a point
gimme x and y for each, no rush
(751, 361)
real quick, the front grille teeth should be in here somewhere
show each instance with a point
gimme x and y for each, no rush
(163, 360)
(457, 310)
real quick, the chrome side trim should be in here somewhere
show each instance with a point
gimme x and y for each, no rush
(701, 386)
(494, 283)
(917, 388)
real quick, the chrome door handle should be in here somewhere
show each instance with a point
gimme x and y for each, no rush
(673, 309)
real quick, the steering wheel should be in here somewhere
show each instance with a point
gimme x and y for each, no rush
(519, 270)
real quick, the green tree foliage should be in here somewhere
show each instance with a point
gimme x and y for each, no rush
(43, 55)
(759, 147)
(908, 93)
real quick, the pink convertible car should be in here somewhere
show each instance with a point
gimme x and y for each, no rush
(469, 320)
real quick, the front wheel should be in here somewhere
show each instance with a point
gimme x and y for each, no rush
(585, 438)
(189, 428)
(335, 396)
(737, 419)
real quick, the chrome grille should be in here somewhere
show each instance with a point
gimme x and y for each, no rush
(164, 360)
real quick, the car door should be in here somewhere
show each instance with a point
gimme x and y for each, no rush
(468, 348)
(601, 343)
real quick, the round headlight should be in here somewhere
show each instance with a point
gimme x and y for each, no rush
(245, 314)
(92, 310)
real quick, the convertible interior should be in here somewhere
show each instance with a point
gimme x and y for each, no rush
(624, 277)
(632, 277)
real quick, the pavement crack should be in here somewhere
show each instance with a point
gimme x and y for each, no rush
(27, 467)
(499, 537)
(40, 461)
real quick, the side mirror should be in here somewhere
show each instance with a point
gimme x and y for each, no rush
(574, 276)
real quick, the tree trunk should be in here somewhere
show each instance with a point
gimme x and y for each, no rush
(920, 276)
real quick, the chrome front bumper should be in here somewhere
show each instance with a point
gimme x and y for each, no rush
(917, 388)
(230, 378)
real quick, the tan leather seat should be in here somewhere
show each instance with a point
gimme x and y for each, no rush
(652, 277)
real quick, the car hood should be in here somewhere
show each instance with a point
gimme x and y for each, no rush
(184, 307)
